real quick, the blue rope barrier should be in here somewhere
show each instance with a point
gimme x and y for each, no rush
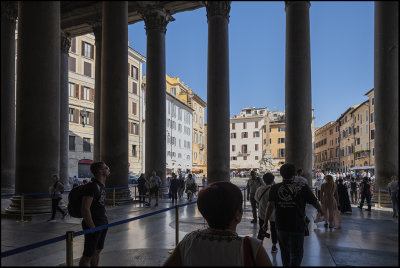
(87, 231)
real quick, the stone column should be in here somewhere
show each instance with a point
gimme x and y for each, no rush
(97, 30)
(218, 135)
(114, 96)
(64, 104)
(298, 140)
(386, 84)
(156, 21)
(38, 103)
(9, 11)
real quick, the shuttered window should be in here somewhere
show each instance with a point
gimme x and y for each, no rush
(71, 143)
(87, 50)
(73, 45)
(86, 93)
(256, 124)
(71, 90)
(134, 88)
(87, 69)
(70, 114)
(134, 108)
(134, 72)
(72, 64)
(86, 144)
(76, 116)
(77, 91)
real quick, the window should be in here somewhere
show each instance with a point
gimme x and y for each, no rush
(86, 93)
(73, 45)
(134, 72)
(244, 148)
(134, 153)
(373, 101)
(331, 131)
(195, 155)
(180, 114)
(72, 143)
(256, 124)
(372, 117)
(233, 125)
(256, 157)
(86, 144)
(360, 118)
(244, 125)
(179, 127)
(71, 89)
(201, 122)
(244, 135)
(281, 129)
(256, 147)
(372, 134)
(87, 50)
(134, 88)
(195, 117)
(173, 91)
(72, 64)
(361, 132)
(233, 148)
(366, 116)
(244, 157)
(233, 135)
(281, 140)
(281, 152)
(135, 129)
(87, 69)
(233, 158)
(256, 134)
(134, 108)
(70, 114)
(86, 118)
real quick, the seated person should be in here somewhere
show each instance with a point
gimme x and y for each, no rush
(219, 245)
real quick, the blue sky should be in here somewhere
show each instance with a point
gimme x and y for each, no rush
(342, 55)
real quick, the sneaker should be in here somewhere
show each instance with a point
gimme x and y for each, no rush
(274, 249)
(254, 221)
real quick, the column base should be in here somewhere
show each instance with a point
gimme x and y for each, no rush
(31, 205)
(121, 196)
(385, 200)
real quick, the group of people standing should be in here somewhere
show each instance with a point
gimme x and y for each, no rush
(178, 186)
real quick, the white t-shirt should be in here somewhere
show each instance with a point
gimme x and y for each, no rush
(203, 249)
(300, 179)
(262, 203)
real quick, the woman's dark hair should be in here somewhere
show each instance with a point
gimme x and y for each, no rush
(219, 202)
(268, 178)
(95, 167)
(287, 171)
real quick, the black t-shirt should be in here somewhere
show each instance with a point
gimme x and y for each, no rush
(353, 185)
(290, 201)
(97, 190)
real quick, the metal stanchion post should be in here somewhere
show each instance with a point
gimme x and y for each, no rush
(70, 253)
(114, 197)
(176, 225)
(22, 207)
(379, 198)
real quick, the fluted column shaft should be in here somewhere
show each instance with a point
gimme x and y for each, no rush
(298, 109)
(386, 84)
(114, 94)
(97, 30)
(156, 22)
(9, 12)
(64, 104)
(218, 131)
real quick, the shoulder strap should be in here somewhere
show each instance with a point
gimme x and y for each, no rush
(247, 254)
(268, 187)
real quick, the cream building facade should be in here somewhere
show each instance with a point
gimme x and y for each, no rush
(326, 154)
(246, 141)
(81, 67)
(276, 141)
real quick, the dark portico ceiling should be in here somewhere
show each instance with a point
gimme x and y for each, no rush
(77, 16)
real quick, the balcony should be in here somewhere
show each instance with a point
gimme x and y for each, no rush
(247, 153)
(201, 146)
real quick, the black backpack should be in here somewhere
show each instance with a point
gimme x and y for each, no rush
(75, 200)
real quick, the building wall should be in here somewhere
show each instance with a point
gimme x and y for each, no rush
(81, 102)
(371, 121)
(326, 154)
(361, 124)
(347, 139)
(250, 121)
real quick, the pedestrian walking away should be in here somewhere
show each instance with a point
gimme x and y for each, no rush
(365, 189)
(394, 194)
(142, 188)
(289, 199)
(252, 185)
(262, 196)
(56, 190)
(173, 188)
(221, 204)
(154, 183)
(94, 214)
(344, 201)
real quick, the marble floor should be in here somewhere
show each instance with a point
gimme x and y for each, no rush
(366, 238)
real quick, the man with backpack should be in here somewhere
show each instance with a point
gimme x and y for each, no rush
(56, 191)
(261, 196)
(154, 184)
(252, 185)
(94, 214)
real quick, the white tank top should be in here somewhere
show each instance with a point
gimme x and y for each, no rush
(203, 249)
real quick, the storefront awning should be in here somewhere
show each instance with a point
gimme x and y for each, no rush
(362, 167)
(85, 161)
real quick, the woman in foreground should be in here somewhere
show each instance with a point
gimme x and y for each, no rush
(219, 245)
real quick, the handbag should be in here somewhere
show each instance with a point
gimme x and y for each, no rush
(247, 254)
